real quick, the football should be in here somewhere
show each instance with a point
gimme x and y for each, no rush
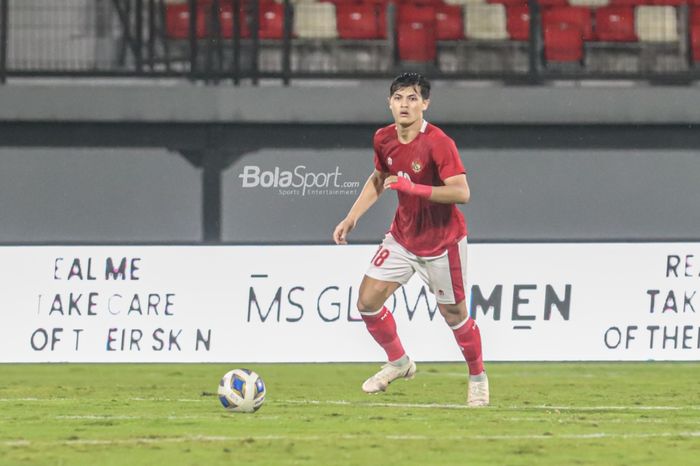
(241, 391)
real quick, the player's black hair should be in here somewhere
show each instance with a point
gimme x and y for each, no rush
(411, 80)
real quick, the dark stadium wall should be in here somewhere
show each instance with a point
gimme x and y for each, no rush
(97, 195)
(538, 183)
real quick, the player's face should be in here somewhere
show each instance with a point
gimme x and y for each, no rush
(407, 106)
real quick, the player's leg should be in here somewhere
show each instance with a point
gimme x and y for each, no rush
(468, 337)
(389, 269)
(378, 319)
(446, 276)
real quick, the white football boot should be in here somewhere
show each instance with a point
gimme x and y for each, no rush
(389, 372)
(478, 393)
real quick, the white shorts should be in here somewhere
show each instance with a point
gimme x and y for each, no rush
(445, 275)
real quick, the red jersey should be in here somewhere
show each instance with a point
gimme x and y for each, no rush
(423, 227)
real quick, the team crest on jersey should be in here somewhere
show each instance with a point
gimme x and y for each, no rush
(416, 166)
(389, 161)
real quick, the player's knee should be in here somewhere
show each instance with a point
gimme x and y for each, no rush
(367, 304)
(370, 300)
(453, 314)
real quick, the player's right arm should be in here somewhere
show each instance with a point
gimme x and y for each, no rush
(373, 188)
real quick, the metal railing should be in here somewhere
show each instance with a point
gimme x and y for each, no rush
(214, 40)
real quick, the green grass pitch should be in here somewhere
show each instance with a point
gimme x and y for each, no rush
(316, 414)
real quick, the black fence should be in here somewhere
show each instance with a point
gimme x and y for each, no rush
(521, 41)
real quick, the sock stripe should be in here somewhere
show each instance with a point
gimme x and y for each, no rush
(460, 325)
(370, 314)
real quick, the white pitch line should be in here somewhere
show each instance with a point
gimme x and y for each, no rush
(258, 416)
(23, 399)
(107, 417)
(360, 404)
(598, 421)
(614, 408)
(209, 439)
(512, 407)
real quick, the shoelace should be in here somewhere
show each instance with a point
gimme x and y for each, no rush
(478, 389)
(385, 373)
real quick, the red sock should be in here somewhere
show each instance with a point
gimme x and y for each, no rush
(469, 340)
(382, 327)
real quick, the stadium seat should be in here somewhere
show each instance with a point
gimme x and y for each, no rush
(424, 13)
(417, 42)
(315, 21)
(226, 20)
(509, 2)
(487, 21)
(544, 4)
(589, 3)
(563, 43)
(695, 42)
(416, 32)
(578, 17)
(518, 22)
(656, 23)
(414, 2)
(271, 20)
(358, 20)
(380, 8)
(615, 24)
(177, 21)
(449, 23)
(464, 2)
(694, 29)
(628, 2)
(666, 2)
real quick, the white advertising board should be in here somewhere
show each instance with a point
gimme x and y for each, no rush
(539, 302)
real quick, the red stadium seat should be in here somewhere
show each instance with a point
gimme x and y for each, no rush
(449, 23)
(415, 2)
(271, 20)
(226, 20)
(177, 21)
(579, 17)
(615, 24)
(416, 32)
(417, 41)
(518, 22)
(512, 2)
(628, 2)
(667, 2)
(358, 20)
(382, 19)
(695, 16)
(563, 42)
(695, 34)
(416, 12)
(544, 4)
(695, 42)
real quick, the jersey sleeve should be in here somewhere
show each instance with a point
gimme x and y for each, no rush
(447, 159)
(378, 161)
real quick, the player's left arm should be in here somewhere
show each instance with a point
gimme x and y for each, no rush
(455, 190)
(451, 171)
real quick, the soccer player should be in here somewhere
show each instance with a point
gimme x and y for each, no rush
(428, 235)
